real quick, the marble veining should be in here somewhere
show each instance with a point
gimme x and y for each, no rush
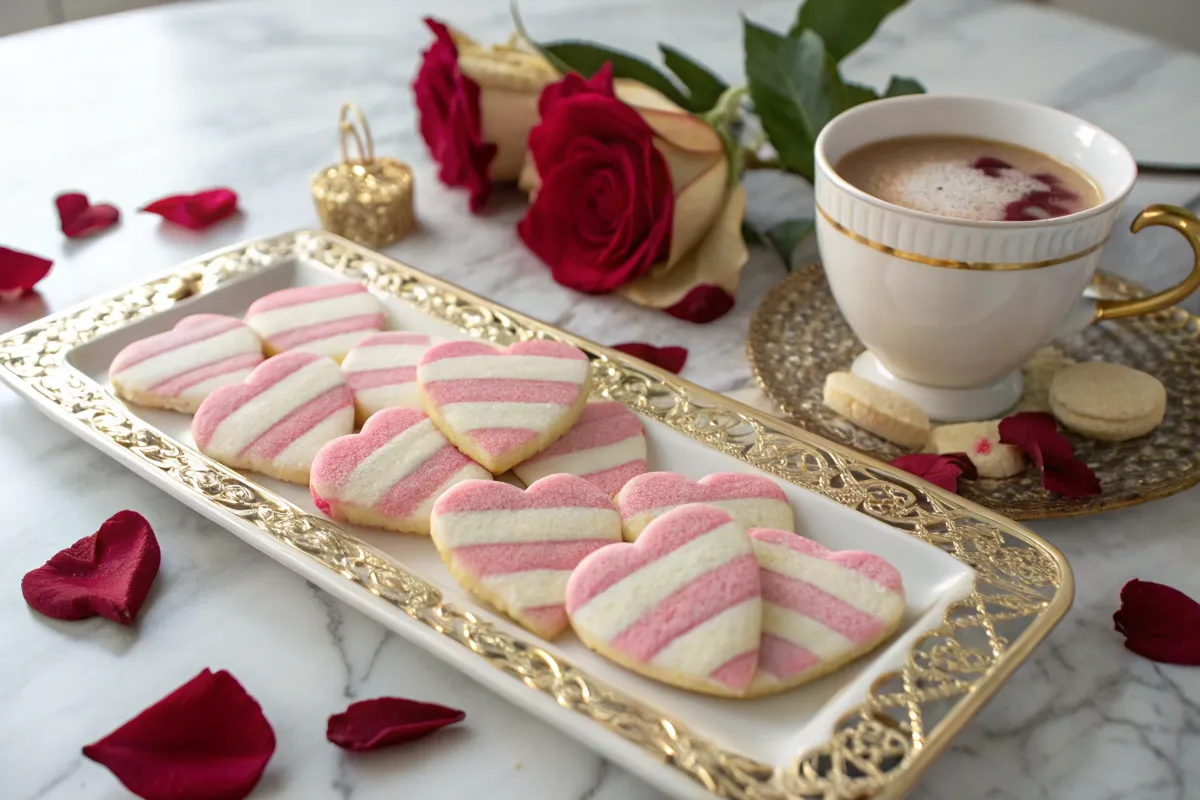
(246, 94)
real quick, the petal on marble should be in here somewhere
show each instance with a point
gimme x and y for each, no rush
(1159, 623)
(20, 272)
(207, 740)
(107, 574)
(941, 470)
(671, 358)
(78, 217)
(196, 211)
(369, 724)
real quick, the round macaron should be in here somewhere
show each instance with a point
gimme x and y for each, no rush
(1105, 401)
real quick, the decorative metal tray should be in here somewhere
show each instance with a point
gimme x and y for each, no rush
(798, 336)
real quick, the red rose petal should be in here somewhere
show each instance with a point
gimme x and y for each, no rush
(574, 84)
(196, 211)
(77, 217)
(1036, 433)
(671, 358)
(941, 470)
(384, 721)
(108, 573)
(19, 273)
(702, 304)
(1159, 623)
(207, 740)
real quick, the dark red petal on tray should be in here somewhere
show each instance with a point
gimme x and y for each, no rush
(207, 740)
(702, 304)
(671, 358)
(941, 470)
(19, 272)
(1159, 623)
(108, 573)
(384, 721)
(1037, 434)
(196, 211)
(77, 217)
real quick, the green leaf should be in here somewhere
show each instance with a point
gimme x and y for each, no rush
(855, 94)
(587, 59)
(751, 234)
(796, 90)
(844, 25)
(704, 87)
(899, 85)
(786, 236)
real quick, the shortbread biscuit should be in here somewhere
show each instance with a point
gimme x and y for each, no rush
(607, 446)
(1105, 401)
(878, 410)
(754, 501)
(981, 442)
(326, 320)
(382, 371)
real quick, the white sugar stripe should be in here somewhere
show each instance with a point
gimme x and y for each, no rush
(403, 395)
(527, 525)
(587, 461)
(270, 323)
(629, 599)
(384, 356)
(334, 346)
(848, 585)
(378, 472)
(464, 417)
(693, 653)
(532, 368)
(751, 512)
(170, 363)
(304, 449)
(804, 631)
(531, 588)
(256, 417)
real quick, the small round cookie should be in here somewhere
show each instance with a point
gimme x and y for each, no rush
(607, 447)
(326, 320)
(878, 410)
(981, 442)
(382, 371)
(1105, 401)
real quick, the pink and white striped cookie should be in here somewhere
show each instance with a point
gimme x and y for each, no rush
(682, 604)
(501, 407)
(326, 320)
(821, 608)
(382, 371)
(179, 368)
(276, 421)
(516, 548)
(607, 446)
(389, 474)
(753, 500)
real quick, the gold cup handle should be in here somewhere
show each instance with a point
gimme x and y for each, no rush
(1186, 223)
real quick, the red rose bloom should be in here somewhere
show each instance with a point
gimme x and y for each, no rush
(450, 122)
(603, 212)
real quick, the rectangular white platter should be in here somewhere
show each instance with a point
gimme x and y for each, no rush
(690, 745)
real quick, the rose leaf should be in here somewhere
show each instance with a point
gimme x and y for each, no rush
(703, 86)
(899, 85)
(844, 26)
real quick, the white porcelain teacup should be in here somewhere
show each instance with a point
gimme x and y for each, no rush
(950, 309)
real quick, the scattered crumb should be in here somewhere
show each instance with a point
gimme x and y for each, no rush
(517, 765)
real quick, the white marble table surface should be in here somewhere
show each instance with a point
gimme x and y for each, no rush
(245, 94)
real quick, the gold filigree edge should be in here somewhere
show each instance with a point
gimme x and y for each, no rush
(1023, 585)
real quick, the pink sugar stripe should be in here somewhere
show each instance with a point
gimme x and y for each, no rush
(562, 491)
(417, 486)
(334, 465)
(504, 558)
(502, 390)
(547, 617)
(671, 531)
(782, 658)
(386, 338)
(832, 612)
(325, 330)
(276, 439)
(599, 426)
(495, 441)
(217, 407)
(534, 347)
(660, 489)
(373, 378)
(458, 349)
(190, 330)
(173, 386)
(612, 479)
(738, 671)
(696, 602)
(302, 294)
(866, 564)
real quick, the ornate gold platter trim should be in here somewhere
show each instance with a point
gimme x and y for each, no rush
(1023, 585)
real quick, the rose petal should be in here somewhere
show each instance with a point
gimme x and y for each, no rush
(108, 573)
(77, 217)
(384, 721)
(1037, 434)
(207, 740)
(1159, 623)
(941, 470)
(671, 358)
(196, 211)
(702, 304)
(19, 273)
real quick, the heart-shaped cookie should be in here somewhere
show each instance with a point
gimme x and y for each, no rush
(502, 406)
(276, 421)
(682, 604)
(754, 501)
(607, 446)
(821, 608)
(389, 474)
(516, 548)
(382, 371)
(177, 369)
(326, 320)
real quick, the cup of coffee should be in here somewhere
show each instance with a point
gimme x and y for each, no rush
(959, 233)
